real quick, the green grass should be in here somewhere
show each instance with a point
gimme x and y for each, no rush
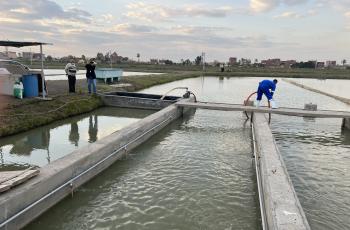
(34, 113)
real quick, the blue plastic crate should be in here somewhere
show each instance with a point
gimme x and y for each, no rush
(108, 73)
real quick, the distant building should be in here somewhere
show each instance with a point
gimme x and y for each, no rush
(154, 61)
(331, 64)
(10, 54)
(288, 63)
(37, 56)
(320, 65)
(30, 55)
(232, 61)
(27, 55)
(272, 63)
(245, 61)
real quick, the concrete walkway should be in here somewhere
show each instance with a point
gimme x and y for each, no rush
(281, 111)
(281, 205)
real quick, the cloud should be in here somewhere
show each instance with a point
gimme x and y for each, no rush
(154, 12)
(263, 5)
(259, 6)
(295, 15)
(41, 9)
(200, 30)
(127, 28)
(289, 14)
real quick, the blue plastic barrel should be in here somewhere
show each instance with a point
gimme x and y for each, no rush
(30, 85)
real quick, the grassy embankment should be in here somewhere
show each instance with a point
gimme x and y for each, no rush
(229, 72)
(22, 115)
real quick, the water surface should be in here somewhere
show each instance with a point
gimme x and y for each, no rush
(40, 146)
(335, 87)
(198, 173)
(59, 74)
(316, 151)
(195, 174)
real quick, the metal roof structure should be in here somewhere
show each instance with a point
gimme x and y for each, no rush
(21, 44)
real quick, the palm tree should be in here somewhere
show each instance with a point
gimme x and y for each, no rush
(138, 57)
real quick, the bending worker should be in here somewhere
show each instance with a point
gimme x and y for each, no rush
(268, 88)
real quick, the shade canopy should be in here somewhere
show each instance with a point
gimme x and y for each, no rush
(21, 44)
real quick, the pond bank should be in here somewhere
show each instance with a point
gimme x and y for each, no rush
(21, 115)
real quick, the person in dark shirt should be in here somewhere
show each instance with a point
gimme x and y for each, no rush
(91, 76)
(268, 88)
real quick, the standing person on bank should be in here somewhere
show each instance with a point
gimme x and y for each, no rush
(71, 71)
(91, 76)
(268, 88)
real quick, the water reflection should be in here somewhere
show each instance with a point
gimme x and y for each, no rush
(74, 133)
(43, 145)
(345, 136)
(93, 129)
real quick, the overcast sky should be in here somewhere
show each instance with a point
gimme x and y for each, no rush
(176, 29)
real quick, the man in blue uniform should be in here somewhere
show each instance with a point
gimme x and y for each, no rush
(268, 88)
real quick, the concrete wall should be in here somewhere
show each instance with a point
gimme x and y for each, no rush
(281, 204)
(68, 167)
(134, 102)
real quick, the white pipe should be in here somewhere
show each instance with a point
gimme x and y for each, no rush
(162, 98)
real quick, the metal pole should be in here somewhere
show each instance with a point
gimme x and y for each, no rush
(110, 58)
(42, 71)
(31, 56)
(203, 61)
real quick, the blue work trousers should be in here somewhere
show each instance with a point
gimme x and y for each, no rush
(92, 82)
(262, 91)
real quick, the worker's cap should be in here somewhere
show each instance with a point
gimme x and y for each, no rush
(275, 81)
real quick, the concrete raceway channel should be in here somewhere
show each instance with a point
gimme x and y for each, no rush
(280, 207)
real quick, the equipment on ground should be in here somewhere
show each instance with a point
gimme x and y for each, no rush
(18, 90)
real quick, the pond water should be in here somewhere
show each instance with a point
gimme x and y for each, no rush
(316, 151)
(198, 173)
(45, 144)
(340, 88)
(59, 74)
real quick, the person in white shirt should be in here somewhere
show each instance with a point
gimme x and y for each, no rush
(71, 71)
